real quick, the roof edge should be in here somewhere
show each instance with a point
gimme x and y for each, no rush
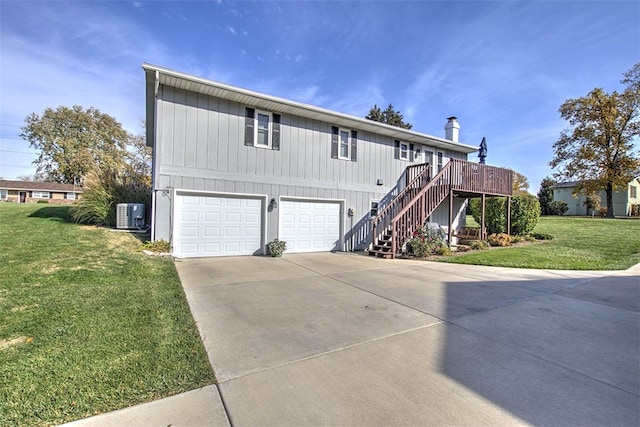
(454, 146)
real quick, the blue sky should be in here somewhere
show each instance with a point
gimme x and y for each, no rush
(503, 68)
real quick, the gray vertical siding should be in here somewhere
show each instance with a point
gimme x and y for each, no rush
(200, 146)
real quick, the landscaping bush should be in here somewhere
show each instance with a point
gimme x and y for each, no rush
(479, 245)
(542, 236)
(102, 192)
(427, 241)
(499, 239)
(525, 214)
(495, 214)
(558, 208)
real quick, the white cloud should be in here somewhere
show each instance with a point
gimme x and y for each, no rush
(232, 30)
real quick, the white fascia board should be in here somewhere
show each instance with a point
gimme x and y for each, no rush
(180, 80)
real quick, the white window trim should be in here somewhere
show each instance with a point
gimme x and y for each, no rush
(71, 196)
(404, 150)
(41, 194)
(348, 132)
(269, 131)
(377, 208)
(4, 194)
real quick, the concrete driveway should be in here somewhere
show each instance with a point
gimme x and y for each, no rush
(346, 339)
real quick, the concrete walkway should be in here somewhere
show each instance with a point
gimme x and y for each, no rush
(346, 339)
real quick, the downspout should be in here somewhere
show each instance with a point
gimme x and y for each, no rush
(156, 88)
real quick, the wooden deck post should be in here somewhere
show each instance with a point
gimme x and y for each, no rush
(483, 230)
(449, 230)
(509, 215)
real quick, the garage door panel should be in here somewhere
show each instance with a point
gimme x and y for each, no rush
(310, 226)
(216, 225)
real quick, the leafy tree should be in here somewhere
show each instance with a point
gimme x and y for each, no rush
(389, 116)
(520, 184)
(138, 159)
(597, 148)
(30, 178)
(72, 141)
(545, 195)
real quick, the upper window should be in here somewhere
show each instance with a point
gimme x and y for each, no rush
(262, 129)
(344, 144)
(41, 195)
(440, 158)
(404, 151)
(262, 135)
(633, 192)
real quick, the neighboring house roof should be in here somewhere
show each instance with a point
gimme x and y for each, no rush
(571, 184)
(568, 184)
(158, 75)
(39, 186)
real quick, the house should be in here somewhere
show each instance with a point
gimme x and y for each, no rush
(234, 169)
(624, 199)
(32, 192)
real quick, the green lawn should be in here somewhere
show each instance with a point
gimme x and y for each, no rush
(579, 244)
(87, 323)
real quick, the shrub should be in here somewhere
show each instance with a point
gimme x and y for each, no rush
(42, 202)
(159, 246)
(542, 236)
(479, 245)
(499, 239)
(495, 214)
(277, 247)
(103, 191)
(592, 202)
(558, 208)
(525, 214)
(427, 241)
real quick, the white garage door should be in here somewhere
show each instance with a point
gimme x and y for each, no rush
(217, 226)
(309, 226)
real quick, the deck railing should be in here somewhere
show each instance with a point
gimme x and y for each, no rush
(482, 179)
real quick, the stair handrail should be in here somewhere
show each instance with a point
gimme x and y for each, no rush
(432, 183)
(422, 174)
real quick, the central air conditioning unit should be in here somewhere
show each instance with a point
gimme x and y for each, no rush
(130, 216)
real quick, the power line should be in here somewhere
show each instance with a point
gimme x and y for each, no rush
(20, 152)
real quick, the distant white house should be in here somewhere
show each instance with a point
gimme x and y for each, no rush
(623, 199)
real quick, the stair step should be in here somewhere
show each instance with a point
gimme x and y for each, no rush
(379, 254)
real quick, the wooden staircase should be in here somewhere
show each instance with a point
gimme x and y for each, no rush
(409, 210)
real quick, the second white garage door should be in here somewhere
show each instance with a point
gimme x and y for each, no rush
(208, 225)
(310, 226)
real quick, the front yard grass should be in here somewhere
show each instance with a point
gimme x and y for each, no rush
(579, 244)
(87, 323)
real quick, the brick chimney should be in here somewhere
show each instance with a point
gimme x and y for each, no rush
(452, 129)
